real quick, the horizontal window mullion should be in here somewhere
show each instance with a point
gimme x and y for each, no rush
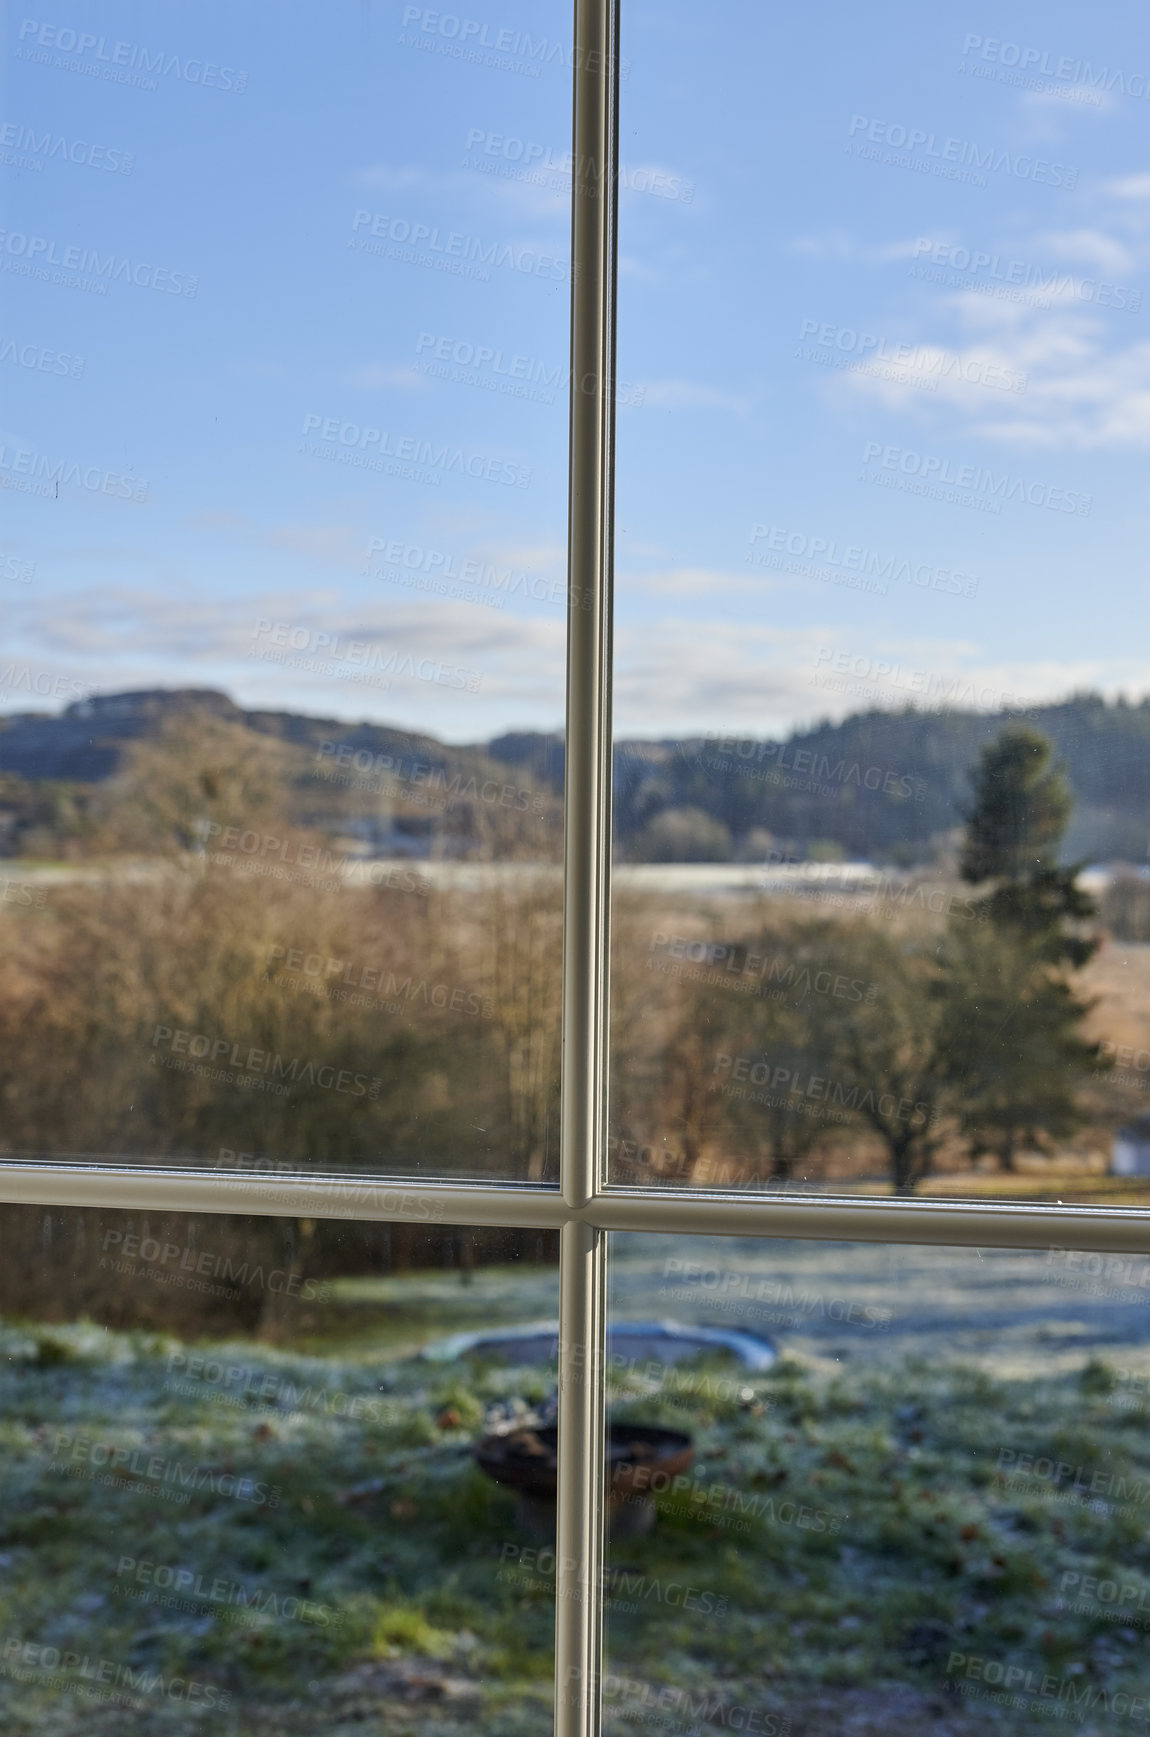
(379, 1198)
(686, 1212)
(962, 1224)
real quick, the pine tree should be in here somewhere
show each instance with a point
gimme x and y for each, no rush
(1012, 1042)
(1021, 807)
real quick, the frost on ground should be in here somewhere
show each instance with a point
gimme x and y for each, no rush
(937, 1524)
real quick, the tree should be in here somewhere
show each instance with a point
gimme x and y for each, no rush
(1011, 1037)
(201, 775)
(780, 1014)
(1021, 807)
(683, 835)
(892, 1076)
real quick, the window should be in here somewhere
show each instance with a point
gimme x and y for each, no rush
(321, 975)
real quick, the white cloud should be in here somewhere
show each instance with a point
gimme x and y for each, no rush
(1085, 389)
(1092, 246)
(682, 675)
(837, 245)
(128, 638)
(694, 582)
(1066, 97)
(1129, 186)
(425, 189)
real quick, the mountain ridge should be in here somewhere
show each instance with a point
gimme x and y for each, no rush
(886, 785)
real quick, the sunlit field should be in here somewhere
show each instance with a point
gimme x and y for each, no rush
(945, 1470)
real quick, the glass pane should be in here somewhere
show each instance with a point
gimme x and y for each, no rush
(882, 1490)
(286, 320)
(881, 514)
(244, 1475)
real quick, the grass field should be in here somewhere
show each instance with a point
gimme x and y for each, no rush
(918, 1504)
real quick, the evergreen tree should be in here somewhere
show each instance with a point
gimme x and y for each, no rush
(1021, 806)
(1011, 1031)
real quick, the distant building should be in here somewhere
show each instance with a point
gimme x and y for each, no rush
(1130, 1155)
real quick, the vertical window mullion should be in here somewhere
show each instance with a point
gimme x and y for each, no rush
(586, 893)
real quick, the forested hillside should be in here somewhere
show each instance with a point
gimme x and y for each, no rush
(886, 786)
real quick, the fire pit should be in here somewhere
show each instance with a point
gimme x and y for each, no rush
(641, 1460)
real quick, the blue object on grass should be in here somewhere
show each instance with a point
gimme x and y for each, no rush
(663, 1341)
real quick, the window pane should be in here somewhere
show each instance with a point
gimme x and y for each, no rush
(881, 514)
(240, 1457)
(895, 1490)
(283, 570)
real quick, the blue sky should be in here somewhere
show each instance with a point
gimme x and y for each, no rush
(283, 407)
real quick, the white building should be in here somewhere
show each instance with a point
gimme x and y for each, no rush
(1130, 1155)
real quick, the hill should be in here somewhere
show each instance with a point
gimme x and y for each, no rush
(885, 786)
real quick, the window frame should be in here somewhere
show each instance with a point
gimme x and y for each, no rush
(584, 1208)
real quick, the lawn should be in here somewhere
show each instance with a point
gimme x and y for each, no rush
(880, 1534)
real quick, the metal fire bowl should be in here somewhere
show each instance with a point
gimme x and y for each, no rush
(526, 1459)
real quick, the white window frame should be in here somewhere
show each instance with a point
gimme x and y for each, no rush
(583, 1208)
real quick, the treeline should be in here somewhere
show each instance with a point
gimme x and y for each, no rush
(219, 1273)
(146, 771)
(885, 786)
(194, 998)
